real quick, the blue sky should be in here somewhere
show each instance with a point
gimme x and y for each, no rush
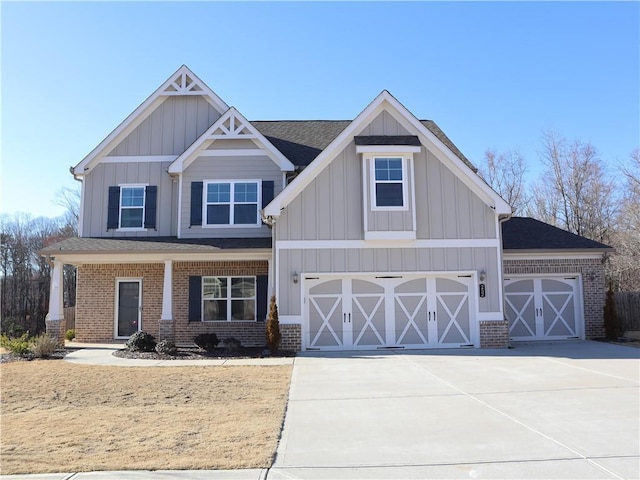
(492, 75)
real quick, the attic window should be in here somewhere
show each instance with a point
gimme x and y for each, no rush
(389, 182)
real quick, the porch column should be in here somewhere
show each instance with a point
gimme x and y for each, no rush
(54, 320)
(166, 318)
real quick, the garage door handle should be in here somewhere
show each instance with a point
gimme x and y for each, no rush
(349, 317)
(429, 316)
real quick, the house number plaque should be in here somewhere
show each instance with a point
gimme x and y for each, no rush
(482, 291)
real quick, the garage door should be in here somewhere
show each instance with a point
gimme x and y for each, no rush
(388, 311)
(543, 308)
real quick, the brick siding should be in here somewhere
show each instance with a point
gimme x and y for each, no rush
(291, 337)
(494, 334)
(96, 298)
(249, 333)
(593, 284)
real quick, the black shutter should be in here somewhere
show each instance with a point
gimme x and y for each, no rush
(196, 203)
(267, 192)
(262, 285)
(150, 203)
(113, 208)
(195, 299)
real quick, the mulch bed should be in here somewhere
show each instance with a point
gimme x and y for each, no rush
(57, 355)
(198, 354)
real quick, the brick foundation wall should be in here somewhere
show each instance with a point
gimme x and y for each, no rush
(96, 298)
(291, 337)
(593, 284)
(494, 334)
(249, 333)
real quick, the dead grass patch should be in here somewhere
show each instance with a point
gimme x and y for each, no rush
(61, 417)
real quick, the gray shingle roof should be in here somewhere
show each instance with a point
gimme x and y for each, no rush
(525, 233)
(411, 140)
(153, 245)
(302, 140)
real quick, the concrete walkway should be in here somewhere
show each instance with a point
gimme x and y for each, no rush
(546, 411)
(103, 355)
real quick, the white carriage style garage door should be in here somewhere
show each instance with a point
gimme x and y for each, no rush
(545, 308)
(388, 311)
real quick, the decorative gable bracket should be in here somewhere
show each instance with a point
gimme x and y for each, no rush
(184, 84)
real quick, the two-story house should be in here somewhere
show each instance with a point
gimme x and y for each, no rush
(372, 233)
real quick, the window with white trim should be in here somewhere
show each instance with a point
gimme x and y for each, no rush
(231, 203)
(228, 299)
(389, 181)
(132, 200)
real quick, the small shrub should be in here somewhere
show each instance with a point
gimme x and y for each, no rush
(44, 346)
(273, 327)
(12, 327)
(70, 334)
(612, 325)
(166, 347)
(17, 346)
(207, 341)
(232, 343)
(141, 342)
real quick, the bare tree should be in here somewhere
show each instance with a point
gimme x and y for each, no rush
(625, 264)
(573, 192)
(505, 173)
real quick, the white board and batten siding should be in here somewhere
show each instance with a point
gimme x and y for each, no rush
(204, 168)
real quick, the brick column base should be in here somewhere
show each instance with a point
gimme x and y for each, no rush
(494, 334)
(165, 330)
(291, 337)
(56, 329)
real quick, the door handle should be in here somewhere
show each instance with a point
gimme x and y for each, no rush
(344, 318)
(434, 315)
(349, 317)
(429, 316)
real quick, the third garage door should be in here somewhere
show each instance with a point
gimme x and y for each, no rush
(545, 308)
(388, 311)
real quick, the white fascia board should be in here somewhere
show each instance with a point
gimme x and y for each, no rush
(462, 170)
(79, 258)
(386, 101)
(142, 112)
(388, 149)
(324, 158)
(181, 163)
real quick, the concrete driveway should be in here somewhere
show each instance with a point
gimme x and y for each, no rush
(551, 410)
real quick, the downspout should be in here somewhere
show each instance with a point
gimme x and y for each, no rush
(501, 219)
(81, 209)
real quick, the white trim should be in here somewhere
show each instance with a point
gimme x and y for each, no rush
(203, 142)
(373, 182)
(117, 303)
(365, 195)
(159, 257)
(233, 152)
(332, 244)
(138, 158)
(290, 319)
(386, 102)
(141, 228)
(397, 150)
(490, 316)
(167, 291)
(81, 212)
(232, 183)
(229, 298)
(143, 111)
(412, 182)
(179, 219)
(390, 235)
(56, 292)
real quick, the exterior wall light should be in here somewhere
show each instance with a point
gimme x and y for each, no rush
(295, 277)
(483, 275)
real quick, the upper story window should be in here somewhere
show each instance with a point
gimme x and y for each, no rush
(132, 206)
(389, 182)
(231, 203)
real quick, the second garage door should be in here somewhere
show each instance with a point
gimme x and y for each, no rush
(388, 311)
(545, 308)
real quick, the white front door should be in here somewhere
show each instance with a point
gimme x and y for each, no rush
(128, 307)
(388, 311)
(545, 308)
